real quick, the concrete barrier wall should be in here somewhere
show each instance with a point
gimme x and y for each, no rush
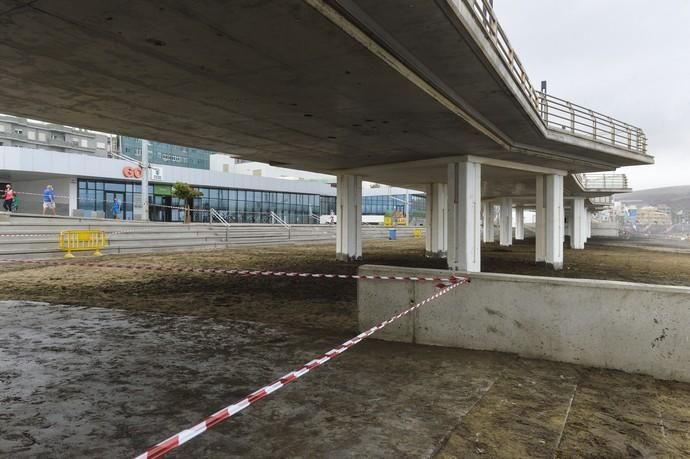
(639, 328)
(606, 229)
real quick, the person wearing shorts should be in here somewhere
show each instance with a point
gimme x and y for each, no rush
(48, 199)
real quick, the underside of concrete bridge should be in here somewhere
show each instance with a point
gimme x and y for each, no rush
(372, 89)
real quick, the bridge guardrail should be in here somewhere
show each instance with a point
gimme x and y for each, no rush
(556, 114)
(603, 181)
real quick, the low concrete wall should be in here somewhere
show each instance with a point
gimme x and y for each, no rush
(606, 229)
(637, 328)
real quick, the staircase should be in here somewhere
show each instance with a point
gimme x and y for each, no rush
(33, 236)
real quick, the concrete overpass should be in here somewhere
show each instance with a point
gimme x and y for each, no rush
(425, 94)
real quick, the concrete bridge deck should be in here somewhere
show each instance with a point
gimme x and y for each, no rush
(316, 85)
(427, 95)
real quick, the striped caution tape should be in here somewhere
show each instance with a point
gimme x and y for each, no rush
(28, 234)
(240, 272)
(56, 234)
(183, 437)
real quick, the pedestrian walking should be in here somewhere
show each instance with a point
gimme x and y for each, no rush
(8, 197)
(116, 208)
(49, 199)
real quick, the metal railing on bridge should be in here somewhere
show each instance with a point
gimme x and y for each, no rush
(602, 200)
(603, 181)
(556, 114)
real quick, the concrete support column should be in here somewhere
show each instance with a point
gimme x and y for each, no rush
(588, 224)
(554, 221)
(72, 196)
(568, 221)
(436, 220)
(519, 223)
(348, 242)
(579, 224)
(489, 215)
(506, 222)
(464, 209)
(485, 220)
(540, 220)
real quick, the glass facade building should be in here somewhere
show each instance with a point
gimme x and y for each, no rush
(235, 205)
(389, 204)
(166, 154)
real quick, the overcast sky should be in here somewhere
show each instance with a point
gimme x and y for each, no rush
(629, 59)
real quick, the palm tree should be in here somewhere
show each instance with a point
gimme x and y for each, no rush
(187, 193)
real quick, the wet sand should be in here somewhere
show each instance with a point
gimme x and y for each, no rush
(144, 355)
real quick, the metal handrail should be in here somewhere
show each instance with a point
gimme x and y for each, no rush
(276, 218)
(213, 213)
(555, 113)
(603, 181)
(51, 142)
(602, 200)
(315, 217)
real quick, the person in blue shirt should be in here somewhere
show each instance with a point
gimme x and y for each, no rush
(48, 199)
(116, 208)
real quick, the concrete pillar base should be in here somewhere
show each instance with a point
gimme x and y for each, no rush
(346, 257)
(550, 266)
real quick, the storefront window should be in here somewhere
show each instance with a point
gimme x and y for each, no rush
(243, 206)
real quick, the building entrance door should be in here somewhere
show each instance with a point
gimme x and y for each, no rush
(167, 211)
(110, 200)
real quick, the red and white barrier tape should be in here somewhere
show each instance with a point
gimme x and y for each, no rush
(54, 235)
(28, 235)
(240, 272)
(179, 439)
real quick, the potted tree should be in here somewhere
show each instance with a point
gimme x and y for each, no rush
(185, 192)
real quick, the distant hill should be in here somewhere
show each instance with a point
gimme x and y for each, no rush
(676, 197)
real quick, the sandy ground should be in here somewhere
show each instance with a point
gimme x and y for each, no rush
(143, 355)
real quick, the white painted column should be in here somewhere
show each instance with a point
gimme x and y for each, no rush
(519, 223)
(436, 220)
(485, 221)
(554, 221)
(348, 228)
(464, 210)
(506, 222)
(579, 225)
(569, 221)
(489, 218)
(589, 224)
(540, 220)
(72, 196)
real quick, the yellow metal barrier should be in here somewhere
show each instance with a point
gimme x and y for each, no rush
(75, 240)
(417, 233)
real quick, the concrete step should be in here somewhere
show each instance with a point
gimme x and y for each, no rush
(34, 236)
